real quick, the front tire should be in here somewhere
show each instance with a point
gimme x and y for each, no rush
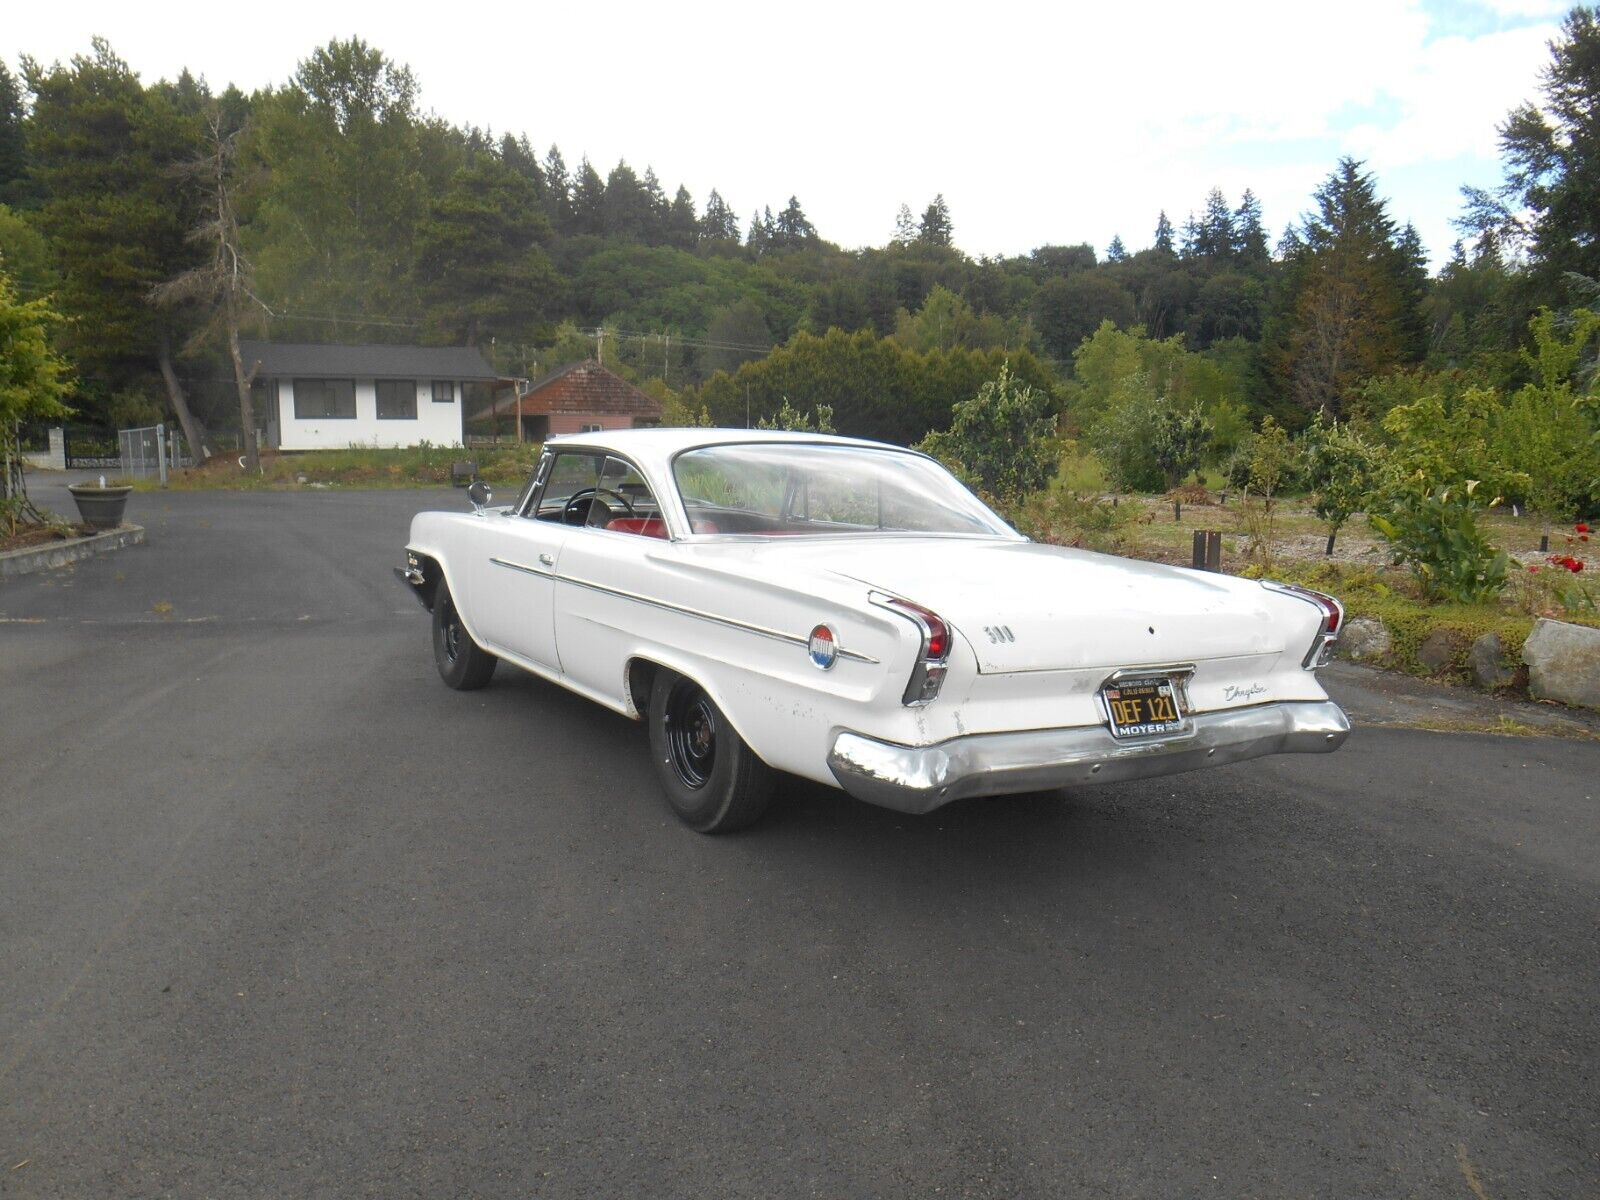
(712, 780)
(463, 664)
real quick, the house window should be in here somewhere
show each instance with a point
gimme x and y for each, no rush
(324, 399)
(592, 427)
(397, 399)
(444, 392)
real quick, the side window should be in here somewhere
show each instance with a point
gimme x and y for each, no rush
(624, 503)
(531, 488)
(572, 476)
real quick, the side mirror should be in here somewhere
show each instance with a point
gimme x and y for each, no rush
(480, 495)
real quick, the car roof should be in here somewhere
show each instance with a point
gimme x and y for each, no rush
(654, 448)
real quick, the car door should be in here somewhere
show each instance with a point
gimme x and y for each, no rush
(518, 557)
(610, 570)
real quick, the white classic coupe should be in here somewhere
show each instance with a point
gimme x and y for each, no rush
(846, 611)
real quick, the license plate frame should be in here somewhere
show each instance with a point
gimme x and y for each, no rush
(1142, 705)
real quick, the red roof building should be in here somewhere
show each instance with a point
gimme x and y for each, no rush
(581, 398)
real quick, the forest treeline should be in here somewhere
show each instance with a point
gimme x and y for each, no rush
(335, 208)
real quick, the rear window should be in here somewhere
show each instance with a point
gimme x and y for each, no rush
(819, 490)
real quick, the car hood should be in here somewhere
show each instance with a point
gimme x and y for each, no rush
(1027, 607)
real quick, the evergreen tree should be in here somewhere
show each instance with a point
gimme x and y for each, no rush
(1249, 234)
(625, 205)
(682, 226)
(1116, 252)
(718, 224)
(1188, 241)
(793, 230)
(518, 155)
(905, 227)
(588, 201)
(558, 191)
(1215, 234)
(935, 228)
(1354, 293)
(759, 239)
(657, 207)
(13, 144)
(480, 269)
(1552, 156)
(1163, 242)
(105, 152)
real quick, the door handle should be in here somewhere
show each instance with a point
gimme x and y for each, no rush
(548, 560)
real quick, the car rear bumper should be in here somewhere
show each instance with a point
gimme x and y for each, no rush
(918, 779)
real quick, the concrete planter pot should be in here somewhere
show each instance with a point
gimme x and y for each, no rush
(101, 507)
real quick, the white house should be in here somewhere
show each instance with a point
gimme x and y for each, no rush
(315, 397)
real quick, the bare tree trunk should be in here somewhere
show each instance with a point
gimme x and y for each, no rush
(193, 431)
(242, 379)
(14, 484)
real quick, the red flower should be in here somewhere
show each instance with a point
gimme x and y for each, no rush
(1576, 566)
(1533, 568)
(1581, 527)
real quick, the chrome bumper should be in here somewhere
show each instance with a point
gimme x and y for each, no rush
(918, 779)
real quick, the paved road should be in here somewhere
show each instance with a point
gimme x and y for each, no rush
(280, 915)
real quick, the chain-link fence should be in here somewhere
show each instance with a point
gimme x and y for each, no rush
(151, 451)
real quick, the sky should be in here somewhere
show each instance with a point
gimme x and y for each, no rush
(1039, 123)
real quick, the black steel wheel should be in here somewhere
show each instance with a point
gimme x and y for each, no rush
(463, 664)
(712, 780)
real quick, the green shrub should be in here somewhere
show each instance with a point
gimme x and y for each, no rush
(1002, 440)
(1065, 519)
(1340, 469)
(1434, 530)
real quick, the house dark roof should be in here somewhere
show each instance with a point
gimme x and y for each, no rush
(587, 387)
(365, 362)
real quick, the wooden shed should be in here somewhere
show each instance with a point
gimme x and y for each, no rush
(579, 399)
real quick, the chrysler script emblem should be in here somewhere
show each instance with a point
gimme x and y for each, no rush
(1231, 692)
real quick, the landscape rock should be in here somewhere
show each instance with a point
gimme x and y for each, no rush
(1563, 662)
(1437, 652)
(1487, 658)
(1364, 639)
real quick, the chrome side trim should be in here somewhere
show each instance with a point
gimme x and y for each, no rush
(918, 779)
(526, 570)
(793, 639)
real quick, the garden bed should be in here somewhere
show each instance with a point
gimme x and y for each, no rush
(34, 536)
(1359, 572)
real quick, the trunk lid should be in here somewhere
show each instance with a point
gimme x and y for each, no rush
(1027, 607)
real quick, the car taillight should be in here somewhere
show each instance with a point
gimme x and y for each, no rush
(928, 675)
(1332, 618)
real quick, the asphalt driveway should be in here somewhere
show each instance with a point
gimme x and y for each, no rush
(280, 915)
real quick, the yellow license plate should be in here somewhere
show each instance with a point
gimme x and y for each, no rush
(1143, 707)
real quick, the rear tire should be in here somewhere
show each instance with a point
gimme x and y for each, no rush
(463, 664)
(713, 781)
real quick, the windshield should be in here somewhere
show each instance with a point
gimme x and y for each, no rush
(789, 488)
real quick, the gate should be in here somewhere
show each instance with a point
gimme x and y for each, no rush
(90, 448)
(149, 452)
